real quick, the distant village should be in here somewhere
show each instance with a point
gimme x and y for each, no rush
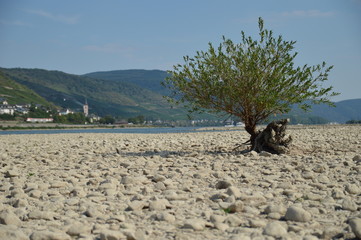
(37, 113)
(25, 110)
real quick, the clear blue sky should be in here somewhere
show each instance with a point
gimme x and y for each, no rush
(82, 36)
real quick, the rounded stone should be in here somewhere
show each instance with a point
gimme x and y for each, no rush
(355, 225)
(297, 214)
(274, 229)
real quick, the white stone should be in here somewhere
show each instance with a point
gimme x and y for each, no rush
(275, 208)
(234, 191)
(77, 229)
(257, 223)
(348, 204)
(36, 214)
(11, 232)
(7, 217)
(217, 218)
(49, 235)
(111, 235)
(352, 188)
(159, 204)
(297, 214)
(195, 224)
(355, 225)
(274, 229)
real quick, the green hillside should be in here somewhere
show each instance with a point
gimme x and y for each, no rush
(16, 93)
(148, 79)
(319, 114)
(129, 93)
(104, 97)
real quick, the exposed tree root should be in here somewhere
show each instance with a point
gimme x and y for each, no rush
(273, 139)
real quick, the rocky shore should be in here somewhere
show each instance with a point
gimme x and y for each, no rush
(180, 186)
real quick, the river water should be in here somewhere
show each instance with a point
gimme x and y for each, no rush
(102, 130)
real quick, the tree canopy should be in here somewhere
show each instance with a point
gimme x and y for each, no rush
(252, 79)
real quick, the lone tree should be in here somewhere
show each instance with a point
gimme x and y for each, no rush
(252, 80)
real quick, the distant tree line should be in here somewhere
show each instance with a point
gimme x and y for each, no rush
(137, 120)
(108, 119)
(75, 118)
(7, 117)
(353, 122)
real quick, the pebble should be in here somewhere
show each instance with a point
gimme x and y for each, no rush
(77, 229)
(355, 225)
(49, 235)
(159, 204)
(92, 212)
(75, 186)
(348, 204)
(12, 173)
(357, 158)
(273, 208)
(35, 193)
(195, 224)
(136, 205)
(112, 235)
(236, 207)
(165, 217)
(7, 217)
(217, 218)
(45, 215)
(223, 184)
(221, 226)
(274, 229)
(297, 214)
(234, 191)
(257, 223)
(12, 232)
(352, 188)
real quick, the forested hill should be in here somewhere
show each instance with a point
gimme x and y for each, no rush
(149, 79)
(129, 93)
(104, 97)
(16, 93)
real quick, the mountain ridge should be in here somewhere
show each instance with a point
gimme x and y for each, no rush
(104, 97)
(132, 92)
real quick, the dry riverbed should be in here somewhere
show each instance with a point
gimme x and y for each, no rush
(180, 186)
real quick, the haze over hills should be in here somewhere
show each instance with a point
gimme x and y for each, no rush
(128, 93)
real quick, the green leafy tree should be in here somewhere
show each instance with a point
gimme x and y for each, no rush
(38, 112)
(251, 80)
(76, 118)
(7, 117)
(137, 120)
(108, 119)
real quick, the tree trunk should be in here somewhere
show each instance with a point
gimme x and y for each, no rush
(251, 129)
(273, 139)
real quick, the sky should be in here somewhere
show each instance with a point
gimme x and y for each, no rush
(83, 36)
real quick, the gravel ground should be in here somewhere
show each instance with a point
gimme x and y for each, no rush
(180, 186)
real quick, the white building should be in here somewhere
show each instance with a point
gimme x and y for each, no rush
(39, 120)
(86, 108)
(7, 109)
(65, 112)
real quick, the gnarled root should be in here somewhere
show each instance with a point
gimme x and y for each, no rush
(274, 138)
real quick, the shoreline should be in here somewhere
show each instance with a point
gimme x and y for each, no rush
(49, 126)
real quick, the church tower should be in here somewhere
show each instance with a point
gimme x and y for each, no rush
(86, 108)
